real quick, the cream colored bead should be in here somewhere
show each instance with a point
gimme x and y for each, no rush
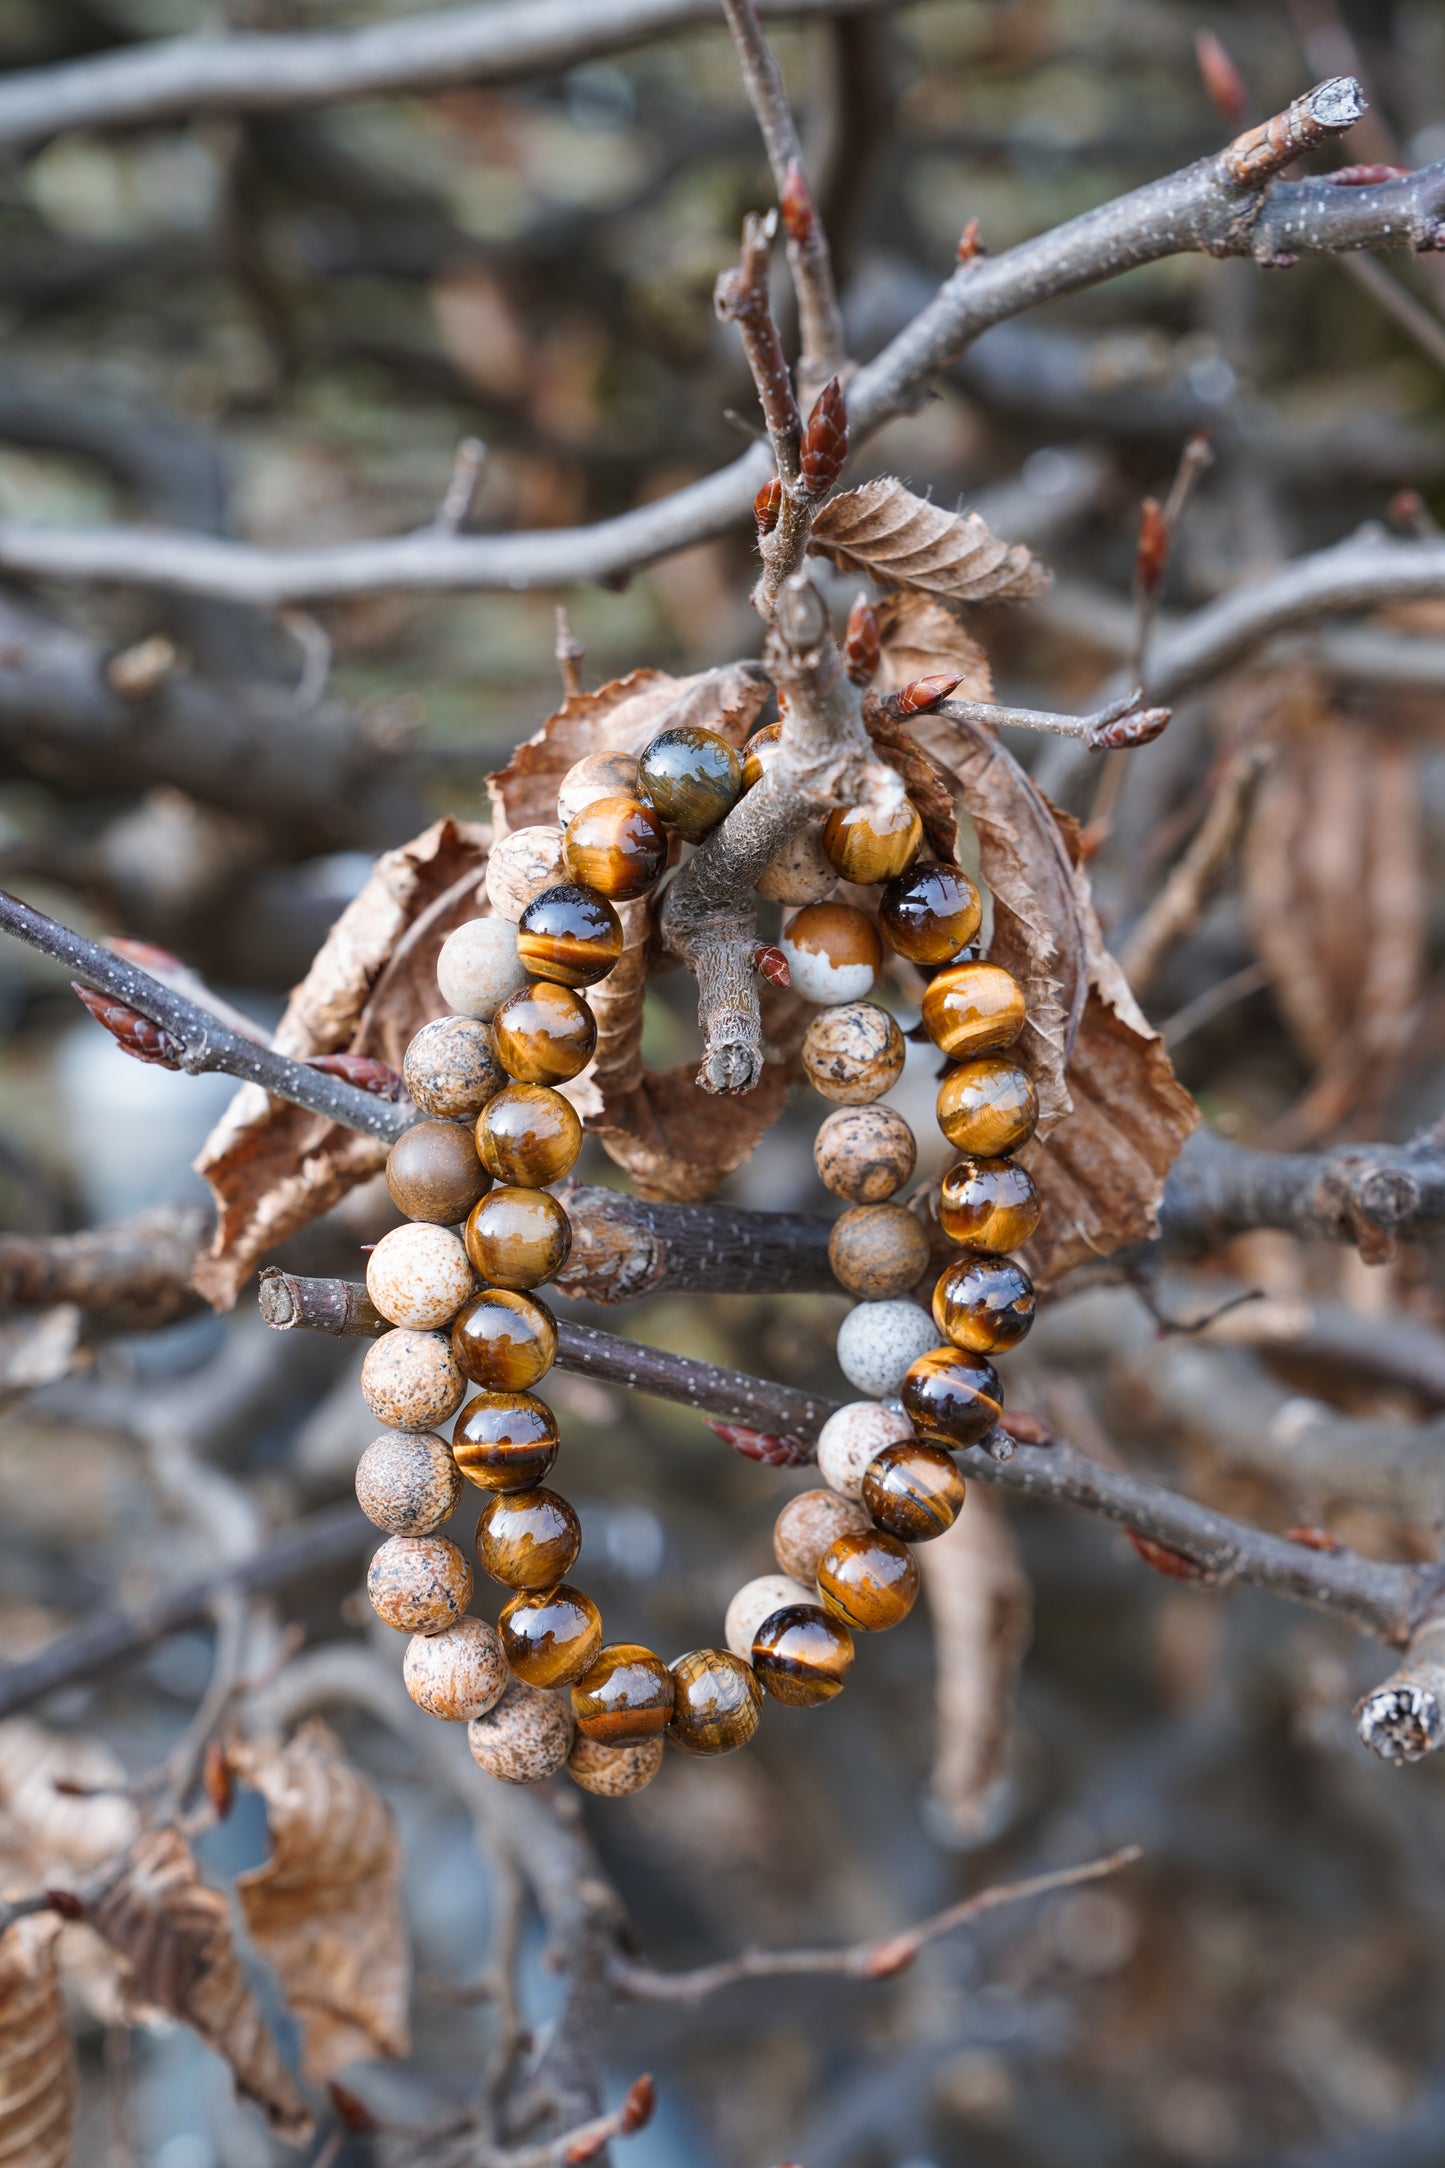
(457, 1674)
(800, 873)
(598, 775)
(410, 1381)
(419, 1276)
(525, 1737)
(521, 866)
(879, 1340)
(755, 1601)
(853, 1436)
(479, 968)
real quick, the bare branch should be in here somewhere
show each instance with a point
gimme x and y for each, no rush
(1367, 1194)
(137, 1271)
(741, 296)
(1123, 721)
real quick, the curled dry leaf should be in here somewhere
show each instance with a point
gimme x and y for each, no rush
(39, 2083)
(172, 1933)
(51, 1838)
(325, 1909)
(921, 638)
(981, 1608)
(901, 540)
(274, 1168)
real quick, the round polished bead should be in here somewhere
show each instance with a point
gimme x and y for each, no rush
(456, 1674)
(419, 1584)
(625, 1697)
(864, 1153)
(504, 1341)
(545, 1034)
(478, 967)
(433, 1172)
(851, 1439)
(450, 1069)
(973, 1009)
(717, 1702)
(418, 1276)
(407, 1483)
(800, 873)
(877, 1342)
(913, 1490)
(984, 1304)
(755, 1601)
(505, 1441)
(528, 1136)
(988, 1106)
(528, 1539)
(570, 934)
(596, 775)
(868, 847)
(876, 1250)
(411, 1380)
(613, 1772)
(929, 914)
(833, 953)
(853, 1053)
(551, 1635)
(617, 845)
(518, 1237)
(692, 779)
(525, 1737)
(803, 1654)
(761, 748)
(869, 1580)
(520, 866)
(952, 1397)
(988, 1204)
(807, 1525)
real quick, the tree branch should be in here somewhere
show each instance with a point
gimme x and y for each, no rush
(1367, 1194)
(136, 1270)
(1404, 1720)
(1122, 722)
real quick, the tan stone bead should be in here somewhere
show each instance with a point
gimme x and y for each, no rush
(755, 1601)
(450, 1069)
(853, 1053)
(597, 775)
(523, 1738)
(479, 967)
(852, 1437)
(433, 1172)
(419, 1584)
(410, 1381)
(521, 866)
(864, 1153)
(419, 1276)
(408, 1483)
(801, 872)
(613, 1772)
(456, 1674)
(807, 1525)
(877, 1250)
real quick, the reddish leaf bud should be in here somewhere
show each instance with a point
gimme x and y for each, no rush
(800, 220)
(637, 2107)
(1314, 1539)
(970, 246)
(66, 1904)
(767, 504)
(770, 1447)
(861, 642)
(217, 1779)
(133, 1033)
(1026, 1429)
(1365, 176)
(1151, 558)
(886, 1958)
(1178, 1565)
(1223, 83)
(351, 2113)
(770, 963)
(825, 440)
(1122, 733)
(922, 694)
(362, 1070)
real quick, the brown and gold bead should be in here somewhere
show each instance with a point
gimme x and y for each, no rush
(913, 1491)
(692, 778)
(505, 1441)
(802, 1655)
(570, 934)
(875, 1250)
(528, 1136)
(951, 1397)
(504, 1341)
(867, 847)
(972, 1009)
(597, 775)
(717, 1702)
(988, 1205)
(616, 845)
(929, 914)
(761, 748)
(869, 1580)
(518, 1237)
(853, 1053)
(984, 1304)
(433, 1172)
(528, 1539)
(551, 1635)
(625, 1697)
(864, 1153)
(545, 1034)
(987, 1106)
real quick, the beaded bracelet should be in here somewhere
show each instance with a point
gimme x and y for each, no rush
(541, 1691)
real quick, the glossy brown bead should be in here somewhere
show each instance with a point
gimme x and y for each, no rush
(717, 1702)
(988, 1106)
(518, 1237)
(761, 748)
(951, 1397)
(869, 1580)
(984, 1304)
(864, 1153)
(617, 845)
(988, 1204)
(528, 1136)
(504, 1341)
(624, 1697)
(877, 1251)
(913, 1491)
(544, 1034)
(433, 1172)
(972, 1009)
(692, 778)
(551, 1635)
(570, 934)
(929, 913)
(528, 1539)
(802, 1655)
(505, 1441)
(868, 847)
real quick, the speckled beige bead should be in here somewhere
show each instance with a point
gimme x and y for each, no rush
(598, 775)
(408, 1483)
(850, 1438)
(419, 1276)
(457, 1674)
(521, 866)
(410, 1381)
(864, 1153)
(450, 1069)
(800, 873)
(479, 967)
(876, 1250)
(807, 1525)
(755, 1601)
(525, 1737)
(853, 1053)
(419, 1584)
(611, 1772)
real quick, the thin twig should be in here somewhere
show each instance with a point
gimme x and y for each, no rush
(1212, 1002)
(466, 474)
(570, 654)
(1125, 716)
(1176, 909)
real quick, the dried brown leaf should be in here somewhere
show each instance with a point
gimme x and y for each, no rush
(929, 786)
(676, 1140)
(173, 1935)
(923, 638)
(904, 541)
(325, 1909)
(39, 2084)
(981, 1608)
(52, 1838)
(273, 1167)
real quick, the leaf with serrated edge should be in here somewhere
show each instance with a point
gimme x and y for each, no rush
(921, 637)
(39, 2084)
(901, 540)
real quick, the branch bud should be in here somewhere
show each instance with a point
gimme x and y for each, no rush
(923, 693)
(800, 219)
(1122, 733)
(825, 440)
(1151, 556)
(770, 1447)
(362, 1070)
(970, 246)
(771, 964)
(133, 1033)
(1163, 1557)
(767, 505)
(860, 645)
(1220, 76)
